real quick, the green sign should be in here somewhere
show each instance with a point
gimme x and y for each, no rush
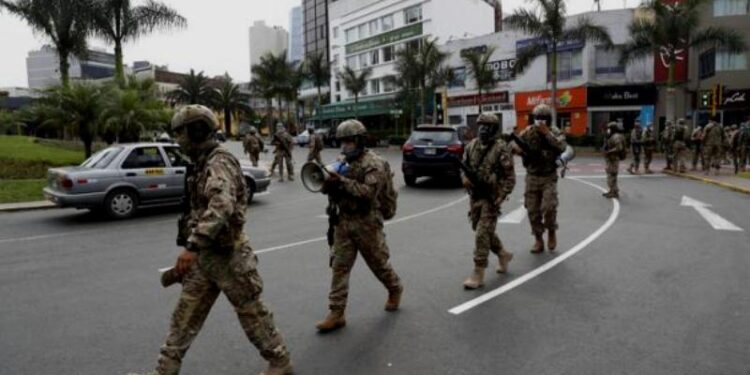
(348, 110)
(385, 38)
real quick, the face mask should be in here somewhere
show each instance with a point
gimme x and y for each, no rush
(351, 152)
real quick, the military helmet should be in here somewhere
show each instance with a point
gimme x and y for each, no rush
(195, 113)
(488, 119)
(542, 110)
(681, 121)
(350, 128)
(280, 127)
(613, 125)
(253, 130)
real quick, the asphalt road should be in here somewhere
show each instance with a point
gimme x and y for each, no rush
(643, 286)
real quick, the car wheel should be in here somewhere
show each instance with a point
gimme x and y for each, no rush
(121, 204)
(410, 180)
(250, 189)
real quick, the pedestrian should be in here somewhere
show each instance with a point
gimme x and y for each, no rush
(696, 143)
(636, 145)
(489, 178)
(217, 257)
(316, 145)
(679, 146)
(744, 146)
(649, 146)
(615, 150)
(545, 144)
(713, 146)
(667, 138)
(361, 200)
(253, 145)
(284, 143)
(734, 148)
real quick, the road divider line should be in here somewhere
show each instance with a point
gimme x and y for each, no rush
(466, 306)
(514, 217)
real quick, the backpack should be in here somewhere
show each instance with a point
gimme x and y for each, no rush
(623, 150)
(387, 197)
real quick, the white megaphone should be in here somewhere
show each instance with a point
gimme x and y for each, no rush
(564, 158)
(315, 174)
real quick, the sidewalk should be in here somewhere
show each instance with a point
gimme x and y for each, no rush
(726, 179)
(26, 206)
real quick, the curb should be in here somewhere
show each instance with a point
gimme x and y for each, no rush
(710, 181)
(26, 206)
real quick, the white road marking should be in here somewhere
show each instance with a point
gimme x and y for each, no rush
(713, 219)
(514, 217)
(593, 176)
(462, 308)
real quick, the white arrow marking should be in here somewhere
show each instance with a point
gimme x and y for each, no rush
(514, 217)
(716, 221)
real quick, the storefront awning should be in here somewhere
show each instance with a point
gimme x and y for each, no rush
(361, 109)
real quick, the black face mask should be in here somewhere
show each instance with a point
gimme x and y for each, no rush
(486, 133)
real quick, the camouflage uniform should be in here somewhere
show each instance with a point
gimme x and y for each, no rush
(615, 147)
(283, 154)
(541, 178)
(253, 145)
(636, 145)
(667, 141)
(359, 228)
(743, 145)
(679, 146)
(649, 146)
(713, 143)
(696, 141)
(316, 147)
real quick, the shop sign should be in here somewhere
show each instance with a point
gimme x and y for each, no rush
(385, 38)
(562, 45)
(566, 98)
(631, 95)
(736, 99)
(472, 100)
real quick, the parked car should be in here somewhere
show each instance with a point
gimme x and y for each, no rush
(431, 151)
(303, 139)
(122, 178)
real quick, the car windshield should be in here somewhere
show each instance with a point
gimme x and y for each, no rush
(433, 136)
(102, 158)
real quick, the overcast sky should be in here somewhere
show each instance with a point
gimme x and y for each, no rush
(215, 41)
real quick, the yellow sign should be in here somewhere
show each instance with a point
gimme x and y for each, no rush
(155, 172)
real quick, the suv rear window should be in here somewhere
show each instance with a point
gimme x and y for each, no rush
(433, 136)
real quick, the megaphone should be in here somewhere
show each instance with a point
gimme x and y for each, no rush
(314, 175)
(564, 158)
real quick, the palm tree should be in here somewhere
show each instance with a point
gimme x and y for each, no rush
(64, 22)
(127, 115)
(119, 21)
(419, 65)
(291, 91)
(230, 100)
(318, 71)
(477, 63)
(10, 121)
(75, 108)
(194, 89)
(355, 82)
(407, 79)
(263, 84)
(672, 29)
(547, 24)
(442, 77)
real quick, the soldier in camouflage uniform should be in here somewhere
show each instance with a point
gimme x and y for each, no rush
(316, 145)
(489, 159)
(667, 139)
(649, 146)
(546, 143)
(360, 223)
(284, 144)
(679, 146)
(253, 145)
(636, 145)
(713, 143)
(615, 149)
(217, 256)
(696, 143)
(743, 145)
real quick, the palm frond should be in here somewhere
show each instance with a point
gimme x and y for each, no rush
(585, 30)
(525, 56)
(727, 39)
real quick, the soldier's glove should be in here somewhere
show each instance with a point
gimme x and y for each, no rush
(467, 184)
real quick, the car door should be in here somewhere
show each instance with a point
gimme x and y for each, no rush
(146, 169)
(176, 172)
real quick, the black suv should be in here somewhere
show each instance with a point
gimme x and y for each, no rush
(431, 151)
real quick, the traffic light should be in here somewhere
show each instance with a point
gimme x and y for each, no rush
(705, 99)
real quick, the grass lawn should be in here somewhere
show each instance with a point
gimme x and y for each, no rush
(12, 191)
(744, 175)
(24, 148)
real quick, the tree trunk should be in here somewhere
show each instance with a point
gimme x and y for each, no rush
(479, 100)
(445, 109)
(64, 68)
(269, 111)
(553, 78)
(317, 108)
(356, 101)
(281, 108)
(119, 68)
(671, 98)
(422, 107)
(228, 122)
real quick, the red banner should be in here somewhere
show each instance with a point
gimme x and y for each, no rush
(661, 65)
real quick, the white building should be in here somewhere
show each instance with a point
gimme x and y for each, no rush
(296, 42)
(43, 67)
(265, 39)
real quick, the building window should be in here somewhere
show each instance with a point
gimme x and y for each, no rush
(608, 62)
(375, 57)
(459, 80)
(351, 62)
(364, 60)
(335, 62)
(338, 86)
(388, 54)
(389, 84)
(731, 7)
(726, 61)
(351, 35)
(375, 86)
(338, 98)
(414, 45)
(363, 31)
(707, 64)
(387, 22)
(374, 27)
(569, 65)
(336, 32)
(322, 34)
(413, 14)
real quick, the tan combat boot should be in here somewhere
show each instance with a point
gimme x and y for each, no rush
(394, 299)
(476, 280)
(279, 369)
(538, 247)
(333, 321)
(503, 260)
(551, 240)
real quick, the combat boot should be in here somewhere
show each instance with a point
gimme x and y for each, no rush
(551, 240)
(649, 171)
(279, 370)
(291, 178)
(476, 280)
(538, 247)
(394, 299)
(503, 260)
(630, 170)
(333, 321)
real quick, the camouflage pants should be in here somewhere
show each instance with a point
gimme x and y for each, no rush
(680, 151)
(280, 159)
(613, 169)
(698, 156)
(254, 157)
(366, 237)
(648, 156)
(714, 154)
(744, 153)
(541, 202)
(483, 216)
(315, 156)
(636, 164)
(235, 275)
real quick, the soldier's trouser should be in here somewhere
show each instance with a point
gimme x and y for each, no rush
(315, 156)
(366, 237)
(254, 157)
(483, 216)
(648, 156)
(680, 154)
(744, 153)
(276, 161)
(289, 165)
(669, 157)
(236, 276)
(541, 202)
(698, 156)
(636, 160)
(714, 156)
(613, 168)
